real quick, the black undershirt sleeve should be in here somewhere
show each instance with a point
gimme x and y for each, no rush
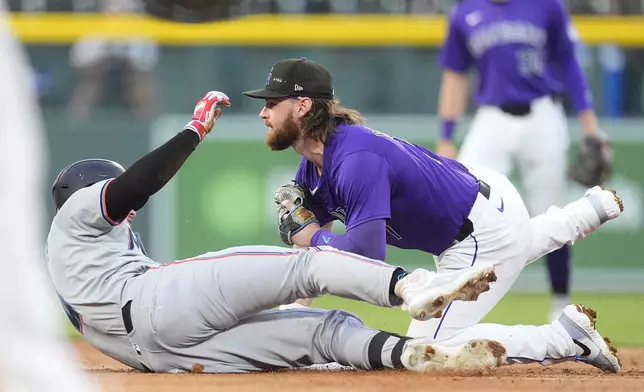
(131, 190)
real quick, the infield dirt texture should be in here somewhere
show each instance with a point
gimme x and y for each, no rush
(569, 377)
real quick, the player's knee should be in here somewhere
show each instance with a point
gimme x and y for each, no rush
(332, 326)
(336, 318)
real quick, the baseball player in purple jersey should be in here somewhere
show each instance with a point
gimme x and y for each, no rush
(524, 53)
(389, 191)
(212, 313)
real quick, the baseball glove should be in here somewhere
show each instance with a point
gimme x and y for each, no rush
(292, 222)
(594, 162)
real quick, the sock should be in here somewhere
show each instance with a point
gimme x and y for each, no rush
(385, 350)
(398, 274)
(559, 270)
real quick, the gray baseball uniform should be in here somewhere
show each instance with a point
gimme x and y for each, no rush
(213, 309)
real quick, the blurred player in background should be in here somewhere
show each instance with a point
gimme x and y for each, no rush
(97, 57)
(524, 52)
(31, 357)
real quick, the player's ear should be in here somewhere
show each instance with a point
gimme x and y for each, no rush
(305, 106)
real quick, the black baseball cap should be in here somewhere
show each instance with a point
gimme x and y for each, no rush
(296, 78)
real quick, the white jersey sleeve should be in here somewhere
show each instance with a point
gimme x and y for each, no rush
(85, 212)
(91, 257)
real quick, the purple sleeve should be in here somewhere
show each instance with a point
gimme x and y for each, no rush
(561, 33)
(362, 183)
(368, 239)
(455, 54)
(562, 38)
(576, 84)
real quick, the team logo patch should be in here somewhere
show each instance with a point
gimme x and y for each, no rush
(304, 214)
(270, 75)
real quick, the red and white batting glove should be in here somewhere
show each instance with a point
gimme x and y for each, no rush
(207, 112)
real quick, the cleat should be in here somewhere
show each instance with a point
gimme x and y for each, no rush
(606, 203)
(474, 355)
(580, 323)
(618, 200)
(426, 294)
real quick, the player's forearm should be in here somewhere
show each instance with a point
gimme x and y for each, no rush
(368, 239)
(131, 190)
(452, 100)
(453, 93)
(589, 122)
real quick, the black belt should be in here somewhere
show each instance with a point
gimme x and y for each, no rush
(127, 321)
(523, 109)
(127, 317)
(468, 227)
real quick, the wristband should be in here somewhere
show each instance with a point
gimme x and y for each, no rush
(197, 127)
(447, 129)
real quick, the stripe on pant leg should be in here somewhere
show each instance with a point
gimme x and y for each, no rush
(476, 251)
(374, 352)
(396, 353)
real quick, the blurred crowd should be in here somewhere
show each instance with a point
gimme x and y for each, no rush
(145, 78)
(422, 6)
(234, 7)
(413, 6)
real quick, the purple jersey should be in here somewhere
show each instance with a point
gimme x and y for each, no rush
(368, 175)
(514, 45)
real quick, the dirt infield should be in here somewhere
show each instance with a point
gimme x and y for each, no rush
(565, 377)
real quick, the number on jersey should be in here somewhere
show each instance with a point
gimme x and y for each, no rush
(530, 62)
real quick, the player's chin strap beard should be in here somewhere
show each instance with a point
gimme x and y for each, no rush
(385, 350)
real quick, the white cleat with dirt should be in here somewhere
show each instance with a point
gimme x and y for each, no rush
(606, 203)
(426, 294)
(475, 355)
(590, 212)
(592, 349)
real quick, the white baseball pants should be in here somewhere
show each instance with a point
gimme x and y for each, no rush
(506, 237)
(536, 143)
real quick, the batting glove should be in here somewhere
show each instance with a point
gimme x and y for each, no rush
(207, 112)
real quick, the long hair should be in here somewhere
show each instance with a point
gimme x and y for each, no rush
(325, 115)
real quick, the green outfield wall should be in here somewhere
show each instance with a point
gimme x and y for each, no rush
(222, 197)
